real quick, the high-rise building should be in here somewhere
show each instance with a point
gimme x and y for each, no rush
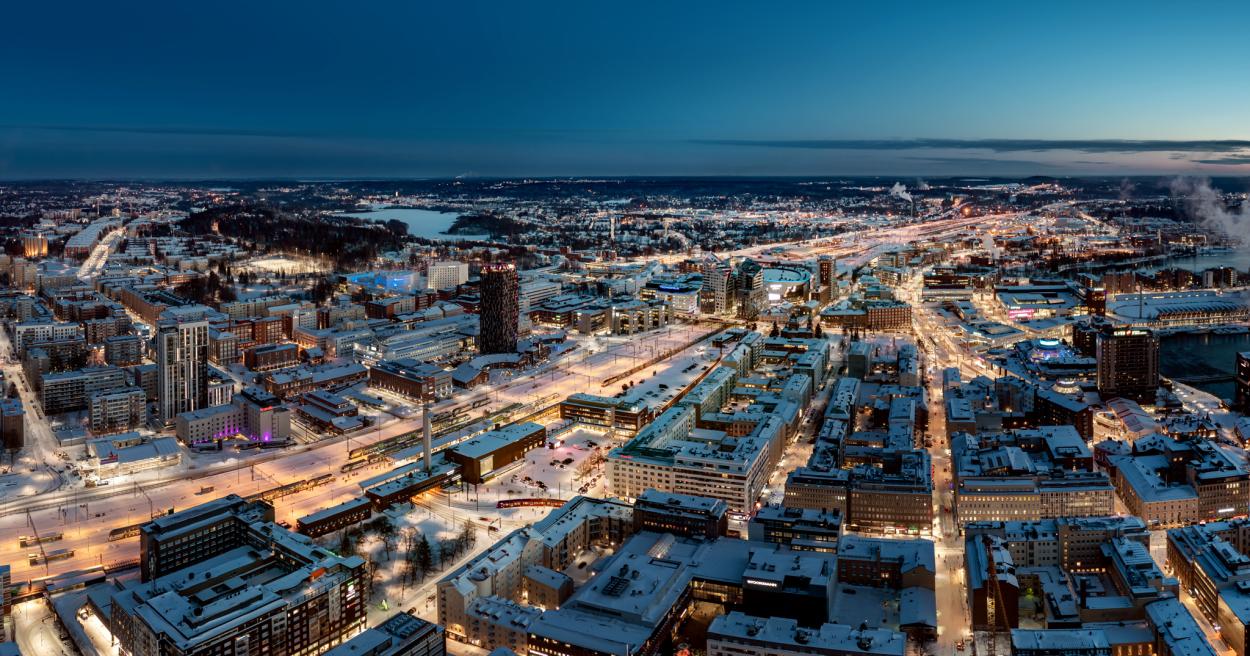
(1241, 374)
(181, 367)
(827, 269)
(500, 309)
(1128, 363)
(750, 286)
(12, 424)
(717, 294)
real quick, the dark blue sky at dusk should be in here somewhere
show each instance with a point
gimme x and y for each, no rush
(414, 89)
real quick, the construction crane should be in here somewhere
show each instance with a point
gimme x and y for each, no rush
(996, 593)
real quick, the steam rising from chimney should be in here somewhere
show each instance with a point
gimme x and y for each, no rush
(1207, 205)
(899, 190)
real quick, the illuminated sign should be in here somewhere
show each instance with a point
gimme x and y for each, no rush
(765, 584)
(522, 503)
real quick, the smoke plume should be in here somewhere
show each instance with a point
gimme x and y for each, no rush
(899, 190)
(1127, 189)
(1207, 206)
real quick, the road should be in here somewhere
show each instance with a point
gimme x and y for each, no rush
(32, 472)
(94, 264)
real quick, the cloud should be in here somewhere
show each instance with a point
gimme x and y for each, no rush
(1228, 160)
(999, 145)
(980, 161)
(188, 131)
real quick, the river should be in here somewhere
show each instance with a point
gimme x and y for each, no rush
(1202, 355)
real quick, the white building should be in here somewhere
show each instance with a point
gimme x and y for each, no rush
(447, 274)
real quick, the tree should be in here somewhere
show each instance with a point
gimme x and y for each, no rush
(387, 532)
(424, 557)
(397, 227)
(447, 553)
(468, 536)
(347, 543)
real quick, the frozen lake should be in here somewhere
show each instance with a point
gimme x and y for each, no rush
(429, 224)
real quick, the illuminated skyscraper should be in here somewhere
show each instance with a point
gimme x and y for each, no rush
(1128, 363)
(500, 309)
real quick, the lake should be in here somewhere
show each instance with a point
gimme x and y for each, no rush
(429, 224)
(1202, 355)
(1239, 259)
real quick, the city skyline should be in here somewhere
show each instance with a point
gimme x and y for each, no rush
(493, 90)
(592, 329)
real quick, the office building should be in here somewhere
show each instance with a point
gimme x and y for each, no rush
(489, 454)
(752, 297)
(411, 378)
(269, 357)
(446, 274)
(801, 529)
(181, 367)
(222, 578)
(681, 514)
(1028, 474)
(500, 309)
(737, 634)
(827, 270)
(718, 293)
(12, 424)
(1128, 363)
(671, 455)
(403, 634)
(1171, 483)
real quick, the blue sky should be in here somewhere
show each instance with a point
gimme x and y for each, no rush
(254, 89)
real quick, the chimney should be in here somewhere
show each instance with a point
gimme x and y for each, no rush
(425, 434)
